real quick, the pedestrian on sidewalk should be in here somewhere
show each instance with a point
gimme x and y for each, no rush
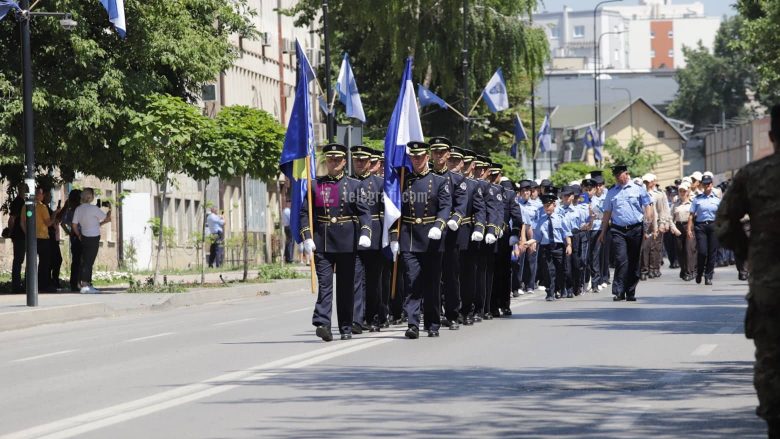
(66, 222)
(42, 223)
(87, 220)
(289, 244)
(54, 241)
(15, 220)
(216, 228)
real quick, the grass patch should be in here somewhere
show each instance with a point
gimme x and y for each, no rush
(277, 271)
(148, 287)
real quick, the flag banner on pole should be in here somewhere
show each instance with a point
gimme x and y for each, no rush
(597, 155)
(323, 104)
(116, 15)
(545, 135)
(6, 6)
(520, 135)
(495, 93)
(404, 127)
(428, 97)
(346, 86)
(592, 140)
(299, 144)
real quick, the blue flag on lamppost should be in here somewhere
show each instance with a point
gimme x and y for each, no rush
(545, 135)
(7, 6)
(520, 135)
(495, 93)
(346, 86)
(592, 140)
(404, 127)
(428, 97)
(116, 15)
(299, 144)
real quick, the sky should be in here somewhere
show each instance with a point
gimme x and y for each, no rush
(711, 7)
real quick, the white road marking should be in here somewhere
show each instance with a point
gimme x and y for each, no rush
(37, 357)
(91, 421)
(704, 350)
(148, 337)
(727, 330)
(231, 322)
(298, 310)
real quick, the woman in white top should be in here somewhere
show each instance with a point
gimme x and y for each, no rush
(87, 219)
(686, 246)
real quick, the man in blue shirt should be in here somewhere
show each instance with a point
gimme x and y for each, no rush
(703, 210)
(628, 212)
(215, 224)
(552, 236)
(573, 216)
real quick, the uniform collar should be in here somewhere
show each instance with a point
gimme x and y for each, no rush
(442, 171)
(363, 176)
(422, 174)
(336, 178)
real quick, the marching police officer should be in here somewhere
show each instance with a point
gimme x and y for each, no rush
(494, 215)
(511, 225)
(628, 213)
(470, 235)
(341, 223)
(703, 210)
(425, 210)
(441, 152)
(370, 262)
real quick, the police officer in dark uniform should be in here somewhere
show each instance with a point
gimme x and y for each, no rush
(628, 212)
(342, 222)
(426, 208)
(370, 262)
(511, 225)
(495, 199)
(471, 233)
(441, 152)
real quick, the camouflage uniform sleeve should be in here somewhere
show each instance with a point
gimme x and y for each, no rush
(728, 222)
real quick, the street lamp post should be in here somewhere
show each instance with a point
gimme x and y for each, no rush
(598, 84)
(630, 106)
(596, 63)
(467, 121)
(325, 30)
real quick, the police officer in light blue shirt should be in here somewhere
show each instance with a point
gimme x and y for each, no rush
(574, 220)
(700, 221)
(552, 233)
(598, 252)
(627, 213)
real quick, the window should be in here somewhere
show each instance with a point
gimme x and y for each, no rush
(554, 33)
(670, 34)
(652, 54)
(652, 34)
(661, 134)
(671, 53)
(579, 31)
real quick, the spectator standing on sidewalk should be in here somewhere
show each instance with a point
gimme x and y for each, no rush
(216, 224)
(42, 223)
(66, 222)
(87, 219)
(288, 239)
(54, 241)
(15, 220)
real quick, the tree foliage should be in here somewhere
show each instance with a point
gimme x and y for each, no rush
(715, 83)
(571, 171)
(759, 41)
(380, 34)
(511, 169)
(89, 84)
(635, 155)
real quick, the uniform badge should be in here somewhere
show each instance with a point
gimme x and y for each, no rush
(498, 197)
(479, 190)
(447, 188)
(490, 191)
(463, 186)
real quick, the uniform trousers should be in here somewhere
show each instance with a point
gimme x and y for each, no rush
(469, 260)
(517, 272)
(530, 266)
(553, 256)
(763, 327)
(422, 274)
(583, 253)
(572, 265)
(502, 274)
(686, 251)
(670, 245)
(343, 266)
(595, 258)
(706, 246)
(606, 257)
(451, 282)
(651, 254)
(484, 263)
(626, 246)
(368, 306)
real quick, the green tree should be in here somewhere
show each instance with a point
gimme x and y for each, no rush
(568, 172)
(759, 41)
(89, 84)
(635, 155)
(511, 169)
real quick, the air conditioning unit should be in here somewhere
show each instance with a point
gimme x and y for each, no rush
(316, 57)
(265, 39)
(288, 46)
(320, 132)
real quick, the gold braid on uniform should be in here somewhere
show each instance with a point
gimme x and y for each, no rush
(367, 228)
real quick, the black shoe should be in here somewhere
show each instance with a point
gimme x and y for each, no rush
(375, 328)
(618, 298)
(557, 296)
(507, 312)
(357, 328)
(432, 333)
(454, 326)
(698, 278)
(631, 299)
(468, 319)
(488, 316)
(477, 318)
(608, 282)
(643, 276)
(549, 299)
(346, 336)
(675, 265)
(515, 294)
(412, 333)
(707, 281)
(742, 276)
(324, 333)
(569, 295)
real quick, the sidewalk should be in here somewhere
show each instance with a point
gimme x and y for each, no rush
(114, 301)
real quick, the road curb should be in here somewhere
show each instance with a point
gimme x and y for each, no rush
(30, 317)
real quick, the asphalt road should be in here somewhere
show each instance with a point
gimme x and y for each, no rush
(674, 364)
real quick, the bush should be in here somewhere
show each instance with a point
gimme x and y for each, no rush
(277, 271)
(148, 286)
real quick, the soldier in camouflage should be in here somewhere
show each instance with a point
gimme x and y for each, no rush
(753, 192)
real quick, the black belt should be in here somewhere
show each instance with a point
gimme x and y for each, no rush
(335, 219)
(418, 220)
(704, 223)
(626, 228)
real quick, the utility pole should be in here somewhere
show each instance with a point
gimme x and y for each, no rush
(327, 67)
(31, 272)
(467, 122)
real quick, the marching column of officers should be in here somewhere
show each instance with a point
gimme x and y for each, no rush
(468, 239)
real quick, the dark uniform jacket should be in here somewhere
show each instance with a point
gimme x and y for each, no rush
(340, 215)
(373, 185)
(513, 212)
(494, 209)
(427, 202)
(475, 214)
(458, 192)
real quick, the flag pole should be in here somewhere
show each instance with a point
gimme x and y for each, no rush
(395, 263)
(476, 103)
(456, 111)
(311, 221)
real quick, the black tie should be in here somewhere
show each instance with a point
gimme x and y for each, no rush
(550, 229)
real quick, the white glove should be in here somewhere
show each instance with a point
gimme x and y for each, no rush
(476, 237)
(453, 225)
(308, 246)
(364, 242)
(434, 233)
(513, 240)
(394, 249)
(490, 239)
